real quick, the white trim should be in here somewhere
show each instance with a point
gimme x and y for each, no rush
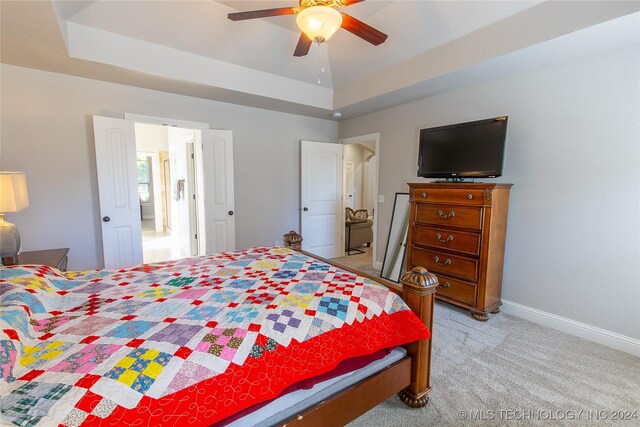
(105, 47)
(601, 336)
(139, 118)
(377, 265)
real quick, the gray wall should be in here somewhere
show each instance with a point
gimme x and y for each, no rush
(573, 155)
(47, 132)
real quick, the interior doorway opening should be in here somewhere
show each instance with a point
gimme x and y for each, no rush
(169, 191)
(212, 194)
(360, 202)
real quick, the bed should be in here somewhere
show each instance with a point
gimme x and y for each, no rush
(199, 340)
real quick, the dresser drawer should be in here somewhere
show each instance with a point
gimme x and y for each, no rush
(453, 216)
(472, 197)
(460, 241)
(451, 265)
(457, 289)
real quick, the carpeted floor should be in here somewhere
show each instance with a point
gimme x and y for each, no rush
(509, 371)
(361, 262)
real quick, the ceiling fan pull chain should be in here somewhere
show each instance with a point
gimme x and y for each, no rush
(320, 49)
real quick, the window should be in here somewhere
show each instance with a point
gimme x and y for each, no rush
(144, 179)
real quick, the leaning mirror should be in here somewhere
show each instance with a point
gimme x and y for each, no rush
(393, 263)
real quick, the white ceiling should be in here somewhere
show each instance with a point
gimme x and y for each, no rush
(190, 47)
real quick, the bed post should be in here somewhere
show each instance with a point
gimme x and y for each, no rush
(418, 292)
(292, 240)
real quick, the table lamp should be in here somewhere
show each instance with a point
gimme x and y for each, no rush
(13, 198)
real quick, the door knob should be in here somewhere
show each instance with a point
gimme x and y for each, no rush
(106, 219)
(230, 212)
(305, 209)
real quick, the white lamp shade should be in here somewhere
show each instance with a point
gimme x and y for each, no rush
(13, 192)
(319, 22)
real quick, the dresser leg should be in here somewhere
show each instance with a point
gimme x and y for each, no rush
(480, 317)
(496, 311)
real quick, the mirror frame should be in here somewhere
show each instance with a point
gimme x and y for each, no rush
(404, 242)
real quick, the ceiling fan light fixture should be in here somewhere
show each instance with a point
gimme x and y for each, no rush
(319, 22)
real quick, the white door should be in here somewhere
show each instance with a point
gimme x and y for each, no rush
(217, 171)
(348, 184)
(118, 191)
(193, 207)
(321, 218)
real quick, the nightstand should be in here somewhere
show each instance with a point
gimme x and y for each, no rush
(52, 257)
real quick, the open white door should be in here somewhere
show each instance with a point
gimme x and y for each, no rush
(193, 205)
(349, 172)
(321, 198)
(217, 155)
(117, 186)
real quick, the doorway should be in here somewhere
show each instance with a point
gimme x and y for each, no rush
(168, 191)
(361, 196)
(119, 189)
(329, 174)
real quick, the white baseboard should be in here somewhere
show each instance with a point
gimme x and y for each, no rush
(377, 265)
(582, 330)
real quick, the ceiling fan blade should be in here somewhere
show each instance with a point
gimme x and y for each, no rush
(362, 30)
(350, 2)
(304, 44)
(252, 14)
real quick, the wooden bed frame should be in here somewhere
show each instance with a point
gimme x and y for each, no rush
(409, 377)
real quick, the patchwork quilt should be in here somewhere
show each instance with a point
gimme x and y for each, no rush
(182, 342)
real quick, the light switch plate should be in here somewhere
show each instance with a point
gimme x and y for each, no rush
(380, 198)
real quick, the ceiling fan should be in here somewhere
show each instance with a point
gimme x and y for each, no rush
(318, 20)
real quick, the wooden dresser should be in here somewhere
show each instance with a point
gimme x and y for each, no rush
(457, 231)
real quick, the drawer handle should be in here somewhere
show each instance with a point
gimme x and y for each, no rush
(446, 262)
(447, 216)
(424, 195)
(441, 240)
(445, 285)
(470, 196)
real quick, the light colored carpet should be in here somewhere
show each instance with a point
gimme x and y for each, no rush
(361, 262)
(508, 368)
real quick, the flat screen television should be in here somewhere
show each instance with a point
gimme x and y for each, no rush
(463, 150)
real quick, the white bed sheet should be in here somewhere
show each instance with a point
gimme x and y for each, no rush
(290, 404)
